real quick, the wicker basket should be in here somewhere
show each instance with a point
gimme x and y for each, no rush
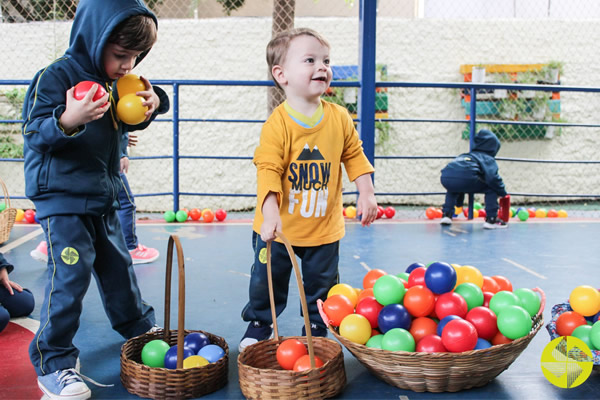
(163, 383)
(260, 375)
(440, 372)
(7, 216)
(557, 310)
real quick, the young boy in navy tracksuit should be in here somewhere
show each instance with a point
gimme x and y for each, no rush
(475, 172)
(72, 156)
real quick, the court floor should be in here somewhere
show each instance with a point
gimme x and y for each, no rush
(554, 255)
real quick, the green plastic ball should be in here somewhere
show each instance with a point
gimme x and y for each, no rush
(169, 216)
(471, 293)
(583, 332)
(2, 207)
(503, 299)
(514, 322)
(595, 335)
(181, 216)
(375, 342)
(153, 353)
(403, 275)
(523, 214)
(398, 339)
(477, 206)
(513, 211)
(388, 289)
(529, 300)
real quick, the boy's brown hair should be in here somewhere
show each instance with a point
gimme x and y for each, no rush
(278, 47)
(135, 33)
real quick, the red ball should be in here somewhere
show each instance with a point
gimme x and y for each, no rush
(438, 213)
(568, 321)
(220, 215)
(419, 301)
(369, 308)
(459, 335)
(431, 344)
(430, 213)
(390, 212)
(30, 216)
(451, 304)
(500, 339)
(482, 213)
(531, 212)
(417, 277)
(195, 214)
(487, 296)
(82, 88)
(484, 321)
(337, 307)
(289, 351)
(303, 363)
(421, 327)
(380, 212)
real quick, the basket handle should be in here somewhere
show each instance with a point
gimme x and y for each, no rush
(6, 195)
(290, 250)
(174, 241)
(542, 301)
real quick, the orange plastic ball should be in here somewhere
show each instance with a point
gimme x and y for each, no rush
(568, 321)
(128, 84)
(490, 285)
(500, 339)
(552, 213)
(195, 214)
(503, 282)
(208, 215)
(419, 301)
(421, 327)
(289, 351)
(303, 363)
(371, 277)
(365, 293)
(336, 308)
(430, 213)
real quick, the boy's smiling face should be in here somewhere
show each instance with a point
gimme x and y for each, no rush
(118, 61)
(305, 73)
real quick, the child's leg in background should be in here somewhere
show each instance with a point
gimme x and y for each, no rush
(127, 213)
(491, 203)
(258, 307)
(19, 304)
(4, 318)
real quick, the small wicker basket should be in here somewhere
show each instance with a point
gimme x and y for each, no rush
(440, 372)
(163, 383)
(7, 216)
(260, 375)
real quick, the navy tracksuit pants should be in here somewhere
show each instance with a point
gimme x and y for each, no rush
(319, 273)
(80, 246)
(457, 187)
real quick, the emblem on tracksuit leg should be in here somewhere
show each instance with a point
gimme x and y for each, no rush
(70, 256)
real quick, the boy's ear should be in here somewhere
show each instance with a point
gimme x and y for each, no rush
(278, 75)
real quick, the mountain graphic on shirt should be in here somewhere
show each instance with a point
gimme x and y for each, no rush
(308, 155)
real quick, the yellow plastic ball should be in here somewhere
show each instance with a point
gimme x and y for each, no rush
(351, 212)
(345, 290)
(458, 210)
(130, 109)
(356, 328)
(20, 215)
(475, 213)
(541, 213)
(194, 362)
(130, 83)
(468, 273)
(562, 214)
(585, 300)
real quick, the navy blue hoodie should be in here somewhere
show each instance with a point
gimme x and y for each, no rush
(479, 163)
(78, 174)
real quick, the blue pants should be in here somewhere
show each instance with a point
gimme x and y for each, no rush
(127, 213)
(17, 305)
(319, 273)
(456, 189)
(80, 246)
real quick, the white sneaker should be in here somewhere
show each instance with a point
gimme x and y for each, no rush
(446, 221)
(494, 223)
(64, 384)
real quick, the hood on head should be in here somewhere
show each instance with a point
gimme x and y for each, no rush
(94, 21)
(487, 142)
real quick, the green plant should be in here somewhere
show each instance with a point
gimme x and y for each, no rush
(559, 65)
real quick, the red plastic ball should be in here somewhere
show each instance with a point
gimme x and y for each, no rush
(371, 276)
(459, 335)
(500, 339)
(431, 344)
(30, 216)
(380, 212)
(390, 212)
(195, 214)
(487, 296)
(419, 301)
(289, 351)
(417, 277)
(421, 327)
(451, 304)
(430, 213)
(485, 322)
(531, 212)
(82, 88)
(438, 213)
(303, 363)
(220, 215)
(568, 321)
(369, 308)
(337, 307)
(481, 213)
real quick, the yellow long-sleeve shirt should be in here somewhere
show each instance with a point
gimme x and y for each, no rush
(304, 167)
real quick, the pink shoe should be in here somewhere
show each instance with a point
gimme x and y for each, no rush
(143, 254)
(40, 253)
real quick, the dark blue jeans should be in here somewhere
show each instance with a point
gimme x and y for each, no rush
(127, 213)
(456, 189)
(319, 273)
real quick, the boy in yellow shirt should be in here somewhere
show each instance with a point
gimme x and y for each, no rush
(299, 177)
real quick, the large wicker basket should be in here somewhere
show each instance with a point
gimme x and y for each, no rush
(440, 372)
(7, 216)
(163, 383)
(260, 375)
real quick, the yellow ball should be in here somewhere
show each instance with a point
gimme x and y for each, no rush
(541, 213)
(20, 215)
(356, 328)
(475, 213)
(345, 290)
(194, 361)
(130, 109)
(585, 300)
(468, 273)
(458, 210)
(130, 83)
(351, 212)
(562, 214)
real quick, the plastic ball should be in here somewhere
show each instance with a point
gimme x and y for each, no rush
(289, 351)
(490, 285)
(393, 316)
(430, 213)
(421, 327)
(404, 276)
(169, 216)
(82, 88)
(419, 301)
(128, 84)
(482, 344)
(529, 300)
(390, 212)
(337, 307)
(181, 216)
(30, 216)
(208, 216)
(481, 213)
(500, 339)
(552, 213)
(503, 299)
(372, 276)
(438, 213)
(451, 304)
(20, 215)
(440, 277)
(417, 277)
(380, 212)
(398, 339)
(375, 341)
(457, 211)
(459, 335)
(194, 361)
(351, 212)
(562, 214)
(585, 300)
(365, 293)
(356, 328)
(541, 213)
(171, 356)
(568, 321)
(431, 344)
(523, 215)
(513, 212)
(131, 110)
(153, 353)
(514, 322)
(487, 296)
(369, 308)
(345, 290)
(212, 353)
(443, 322)
(468, 273)
(388, 289)
(503, 282)
(2, 207)
(531, 211)
(477, 206)
(303, 363)
(583, 332)
(195, 214)
(595, 335)
(471, 293)
(196, 341)
(485, 322)
(220, 214)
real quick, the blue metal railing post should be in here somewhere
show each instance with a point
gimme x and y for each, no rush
(175, 147)
(366, 76)
(472, 129)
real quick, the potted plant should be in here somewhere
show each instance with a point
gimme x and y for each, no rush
(552, 71)
(478, 73)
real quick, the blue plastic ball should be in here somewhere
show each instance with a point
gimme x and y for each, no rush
(212, 352)
(444, 321)
(440, 277)
(413, 266)
(393, 316)
(171, 356)
(482, 344)
(196, 341)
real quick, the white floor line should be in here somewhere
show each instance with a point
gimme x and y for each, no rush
(21, 240)
(365, 266)
(524, 268)
(450, 233)
(239, 273)
(27, 323)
